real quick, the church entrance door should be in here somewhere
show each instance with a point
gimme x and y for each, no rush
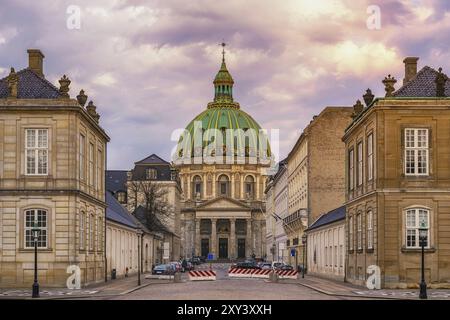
(223, 248)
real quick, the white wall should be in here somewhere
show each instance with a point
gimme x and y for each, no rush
(328, 243)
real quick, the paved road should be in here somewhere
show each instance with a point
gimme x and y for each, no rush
(225, 288)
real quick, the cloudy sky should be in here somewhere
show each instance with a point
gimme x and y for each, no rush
(149, 65)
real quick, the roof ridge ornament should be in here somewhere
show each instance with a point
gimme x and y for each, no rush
(13, 83)
(440, 81)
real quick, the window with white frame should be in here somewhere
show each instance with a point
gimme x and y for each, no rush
(341, 256)
(91, 164)
(351, 166)
(151, 174)
(82, 230)
(350, 233)
(36, 151)
(36, 218)
(91, 231)
(359, 231)
(99, 170)
(82, 157)
(416, 151)
(370, 229)
(99, 234)
(370, 157)
(415, 218)
(360, 163)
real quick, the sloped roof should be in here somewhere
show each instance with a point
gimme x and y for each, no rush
(117, 213)
(116, 180)
(152, 159)
(329, 217)
(422, 85)
(150, 220)
(31, 86)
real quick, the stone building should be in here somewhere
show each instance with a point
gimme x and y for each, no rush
(326, 245)
(316, 174)
(128, 241)
(277, 210)
(222, 162)
(52, 159)
(398, 177)
(153, 182)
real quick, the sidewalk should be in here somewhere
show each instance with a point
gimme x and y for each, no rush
(343, 289)
(115, 287)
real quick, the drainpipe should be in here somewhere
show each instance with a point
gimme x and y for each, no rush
(104, 186)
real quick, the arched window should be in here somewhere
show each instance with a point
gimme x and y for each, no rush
(91, 231)
(36, 218)
(249, 187)
(197, 187)
(223, 184)
(416, 218)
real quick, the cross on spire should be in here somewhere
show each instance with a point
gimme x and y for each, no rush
(223, 44)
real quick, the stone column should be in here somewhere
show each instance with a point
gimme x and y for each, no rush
(232, 186)
(242, 186)
(189, 193)
(213, 248)
(248, 239)
(233, 238)
(214, 182)
(197, 237)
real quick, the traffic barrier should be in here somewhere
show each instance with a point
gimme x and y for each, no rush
(287, 274)
(202, 275)
(261, 273)
(248, 273)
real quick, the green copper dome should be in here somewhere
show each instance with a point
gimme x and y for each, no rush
(223, 118)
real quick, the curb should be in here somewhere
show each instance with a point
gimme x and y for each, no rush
(352, 295)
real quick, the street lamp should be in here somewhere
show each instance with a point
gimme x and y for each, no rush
(139, 233)
(423, 235)
(304, 253)
(35, 231)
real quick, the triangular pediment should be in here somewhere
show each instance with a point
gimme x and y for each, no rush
(223, 203)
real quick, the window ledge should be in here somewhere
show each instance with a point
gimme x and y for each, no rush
(418, 250)
(369, 250)
(360, 251)
(23, 250)
(351, 251)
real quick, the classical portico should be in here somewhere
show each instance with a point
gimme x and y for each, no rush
(223, 227)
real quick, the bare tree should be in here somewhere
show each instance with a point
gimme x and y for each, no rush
(152, 196)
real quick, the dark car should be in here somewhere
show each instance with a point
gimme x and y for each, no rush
(164, 269)
(189, 266)
(195, 260)
(247, 264)
(286, 267)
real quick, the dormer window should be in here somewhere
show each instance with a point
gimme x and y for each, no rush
(122, 197)
(151, 174)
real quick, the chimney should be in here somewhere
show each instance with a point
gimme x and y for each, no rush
(410, 68)
(35, 61)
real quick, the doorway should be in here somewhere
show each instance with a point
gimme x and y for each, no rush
(241, 248)
(205, 247)
(223, 248)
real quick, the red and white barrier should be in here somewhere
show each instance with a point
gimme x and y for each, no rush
(202, 275)
(248, 273)
(287, 274)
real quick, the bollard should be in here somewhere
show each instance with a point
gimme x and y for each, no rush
(177, 277)
(273, 277)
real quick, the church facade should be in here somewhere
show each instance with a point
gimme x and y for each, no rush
(222, 159)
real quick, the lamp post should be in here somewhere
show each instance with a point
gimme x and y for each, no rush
(423, 235)
(139, 233)
(304, 253)
(35, 231)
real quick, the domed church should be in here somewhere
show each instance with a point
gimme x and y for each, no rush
(222, 159)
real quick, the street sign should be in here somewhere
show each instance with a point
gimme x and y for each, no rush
(210, 256)
(293, 252)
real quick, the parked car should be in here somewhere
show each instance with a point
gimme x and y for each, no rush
(277, 265)
(286, 267)
(189, 266)
(177, 265)
(195, 260)
(247, 264)
(265, 265)
(164, 269)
